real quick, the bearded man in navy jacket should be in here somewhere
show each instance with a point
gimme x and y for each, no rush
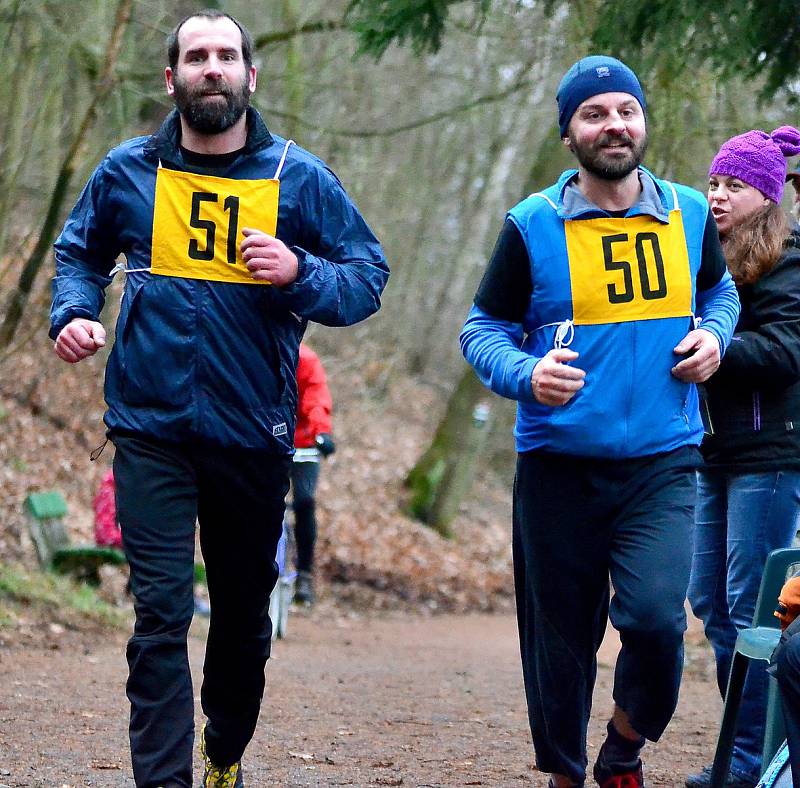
(233, 239)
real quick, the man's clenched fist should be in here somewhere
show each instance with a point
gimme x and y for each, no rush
(267, 258)
(79, 339)
(553, 381)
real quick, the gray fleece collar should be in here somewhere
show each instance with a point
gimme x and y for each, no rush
(650, 203)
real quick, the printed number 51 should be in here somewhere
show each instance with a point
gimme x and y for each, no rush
(231, 205)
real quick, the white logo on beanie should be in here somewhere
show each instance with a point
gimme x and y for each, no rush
(603, 71)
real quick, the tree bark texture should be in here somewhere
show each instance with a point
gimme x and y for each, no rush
(30, 270)
(442, 477)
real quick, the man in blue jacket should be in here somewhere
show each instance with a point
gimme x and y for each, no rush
(587, 316)
(233, 239)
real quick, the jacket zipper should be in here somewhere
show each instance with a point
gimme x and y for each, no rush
(756, 411)
(707, 423)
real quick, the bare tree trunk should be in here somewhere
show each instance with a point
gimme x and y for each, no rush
(16, 126)
(293, 76)
(33, 264)
(443, 475)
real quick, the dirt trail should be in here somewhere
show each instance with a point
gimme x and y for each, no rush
(351, 701)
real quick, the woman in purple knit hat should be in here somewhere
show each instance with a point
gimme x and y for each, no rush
(749, 488)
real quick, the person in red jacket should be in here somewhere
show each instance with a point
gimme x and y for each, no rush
(312, 439)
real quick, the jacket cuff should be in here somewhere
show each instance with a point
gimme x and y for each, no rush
(303, 270)
(61, 319)
(524, 388)
(717, 334)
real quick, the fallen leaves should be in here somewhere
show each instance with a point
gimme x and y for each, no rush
(369, 552)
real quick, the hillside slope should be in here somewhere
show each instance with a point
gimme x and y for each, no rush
(369, 553)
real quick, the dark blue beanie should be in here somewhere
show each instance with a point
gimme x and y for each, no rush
(590, 76)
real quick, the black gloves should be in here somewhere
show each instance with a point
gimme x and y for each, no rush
(325, 444)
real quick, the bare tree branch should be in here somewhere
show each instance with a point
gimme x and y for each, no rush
(322, 26)
(414, 124)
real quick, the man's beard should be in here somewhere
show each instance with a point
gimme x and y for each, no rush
(211, 115)
(609, 168)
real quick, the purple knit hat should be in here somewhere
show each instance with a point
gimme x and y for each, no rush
(758, 159)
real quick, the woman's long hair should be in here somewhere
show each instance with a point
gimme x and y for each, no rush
(754, 247)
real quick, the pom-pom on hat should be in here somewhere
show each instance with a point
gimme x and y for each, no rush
(758, 159)
(589, 77)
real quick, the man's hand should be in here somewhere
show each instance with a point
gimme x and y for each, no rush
(553, 381)
(79, 339)
(704, 359)
(269, 259)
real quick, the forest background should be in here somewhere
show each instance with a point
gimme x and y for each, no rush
(437, 116)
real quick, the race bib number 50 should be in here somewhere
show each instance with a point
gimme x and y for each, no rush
(198, 221)
(624, 269)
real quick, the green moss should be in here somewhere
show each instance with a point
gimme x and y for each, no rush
(424, 484)
(55, 597)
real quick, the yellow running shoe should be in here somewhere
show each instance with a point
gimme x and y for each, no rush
(218, 776)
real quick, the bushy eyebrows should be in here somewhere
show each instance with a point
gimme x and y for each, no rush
(201, 50)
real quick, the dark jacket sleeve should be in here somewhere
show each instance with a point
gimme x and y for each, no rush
(85, 253)
(492, 335)
(506, 287)
(717, 301)
(712, 266)
(342, 269)
(768, 348)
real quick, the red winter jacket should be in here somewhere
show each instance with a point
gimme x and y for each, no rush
(314, 402)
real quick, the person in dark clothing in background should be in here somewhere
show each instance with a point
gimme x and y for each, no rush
(312, 440)
(749, 488)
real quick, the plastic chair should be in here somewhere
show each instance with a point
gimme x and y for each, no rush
(758, 642)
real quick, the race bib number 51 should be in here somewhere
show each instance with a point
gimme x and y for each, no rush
(624, 269)
(198, 221)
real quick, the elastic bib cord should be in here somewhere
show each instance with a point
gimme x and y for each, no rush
(125, 270)
(565, 333)
(675, 204)
(283, 159)
(545, 197)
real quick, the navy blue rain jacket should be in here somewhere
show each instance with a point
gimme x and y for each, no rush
(205, 361)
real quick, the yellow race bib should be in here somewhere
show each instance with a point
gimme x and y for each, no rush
(198, 220)
(624, 269)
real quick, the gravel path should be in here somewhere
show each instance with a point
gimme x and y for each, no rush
(351, 701)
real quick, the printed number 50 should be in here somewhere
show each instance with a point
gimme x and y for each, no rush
(627, 294)
(231, 204)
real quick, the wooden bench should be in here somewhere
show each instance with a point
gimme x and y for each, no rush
(45, 512)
